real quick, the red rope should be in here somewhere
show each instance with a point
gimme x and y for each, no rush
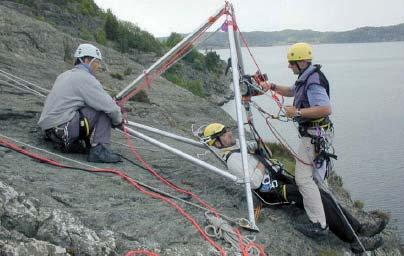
(141, 252)
(164, 180)
(128, 179)
(27, 153)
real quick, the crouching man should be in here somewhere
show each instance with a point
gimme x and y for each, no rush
(275, 186)
(78, 113)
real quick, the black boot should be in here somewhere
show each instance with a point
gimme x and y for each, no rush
(371, 229)
(312, 230)
(370, 244)
(100, 154)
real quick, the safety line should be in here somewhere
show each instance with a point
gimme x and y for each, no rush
(22, 80)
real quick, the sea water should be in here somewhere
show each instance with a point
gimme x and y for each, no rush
(367, 95)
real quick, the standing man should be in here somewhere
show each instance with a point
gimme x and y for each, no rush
(78, 113)
(311, 109)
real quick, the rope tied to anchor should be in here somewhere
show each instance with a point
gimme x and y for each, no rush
(220, 229)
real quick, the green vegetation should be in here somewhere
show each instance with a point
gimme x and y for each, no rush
(111, 26)
(204, 63)
(141, 97)
(173, 39)
(116, 75)
(194, 86)
(335, 180)
(101, 37)
(127, 71)
(129, 36)
(211, 61)
(85, 34)
(284, 156)
(380, 214)
(88, 7)
(359, 204)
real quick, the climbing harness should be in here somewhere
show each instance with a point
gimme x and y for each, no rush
(320, 132)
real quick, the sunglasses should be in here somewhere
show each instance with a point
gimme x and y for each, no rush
(223, 131)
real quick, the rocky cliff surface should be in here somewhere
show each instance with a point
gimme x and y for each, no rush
(46, 210)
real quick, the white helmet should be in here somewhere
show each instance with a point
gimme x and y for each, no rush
(88, 50)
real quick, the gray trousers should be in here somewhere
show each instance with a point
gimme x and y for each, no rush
(100, 126)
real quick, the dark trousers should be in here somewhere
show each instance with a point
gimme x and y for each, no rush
(100, 126)
(67, 138)
(335, 220)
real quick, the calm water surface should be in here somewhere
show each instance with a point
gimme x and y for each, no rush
(367, 94)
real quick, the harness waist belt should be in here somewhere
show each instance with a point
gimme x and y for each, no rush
(323, 122)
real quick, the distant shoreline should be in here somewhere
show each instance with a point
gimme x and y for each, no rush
(274, 45)
(394, 33)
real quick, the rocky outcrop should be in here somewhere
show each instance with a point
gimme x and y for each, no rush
(29, 228)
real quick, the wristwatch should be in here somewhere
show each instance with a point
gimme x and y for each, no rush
(298, 113)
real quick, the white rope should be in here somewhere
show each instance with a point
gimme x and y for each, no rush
(25, 81)
(27, 89)
(220, 229)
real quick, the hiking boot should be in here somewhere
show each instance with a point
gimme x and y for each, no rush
(312, 230)
(100, 154)
(371, 229)
(370, 244)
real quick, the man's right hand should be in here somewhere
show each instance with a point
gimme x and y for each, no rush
(267, 85)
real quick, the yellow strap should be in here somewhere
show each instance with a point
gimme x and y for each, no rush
(284, 193)
(317, 122)
(87, 126)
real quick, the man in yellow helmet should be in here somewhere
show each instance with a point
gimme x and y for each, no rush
(272, 184)
(311, 109)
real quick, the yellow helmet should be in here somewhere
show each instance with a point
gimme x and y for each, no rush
(213, 131)
(300, 51)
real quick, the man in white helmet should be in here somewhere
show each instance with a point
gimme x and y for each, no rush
(78, 113)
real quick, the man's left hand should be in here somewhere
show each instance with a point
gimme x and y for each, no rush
(290, 111)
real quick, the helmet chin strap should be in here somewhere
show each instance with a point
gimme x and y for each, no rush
(298, 67)
(91, 61)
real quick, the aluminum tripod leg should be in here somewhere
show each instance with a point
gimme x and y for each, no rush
(240, 125)
(166, 134)
(182, 154)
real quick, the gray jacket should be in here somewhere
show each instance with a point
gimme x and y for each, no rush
(73, 90)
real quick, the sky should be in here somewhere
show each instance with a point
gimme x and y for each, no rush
(161, 17)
